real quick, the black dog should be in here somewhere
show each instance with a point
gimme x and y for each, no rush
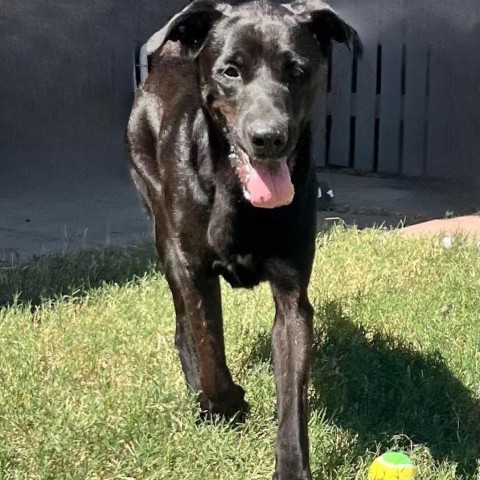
(219, 146)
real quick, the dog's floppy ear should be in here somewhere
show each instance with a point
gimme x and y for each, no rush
(325, 24)
(190, 27)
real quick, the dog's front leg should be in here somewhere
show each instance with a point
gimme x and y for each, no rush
(203, 311)
(292, 343)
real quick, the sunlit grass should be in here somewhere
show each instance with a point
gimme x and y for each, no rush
(91, 387)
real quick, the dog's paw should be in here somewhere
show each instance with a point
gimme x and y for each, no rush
(229, 406)
(291, 470)
(301, 476)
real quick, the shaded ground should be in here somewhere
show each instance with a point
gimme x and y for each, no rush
(99, 214)
(368, 201)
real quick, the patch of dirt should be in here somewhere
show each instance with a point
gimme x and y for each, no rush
(467, 225)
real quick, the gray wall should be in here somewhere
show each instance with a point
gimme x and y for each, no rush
(66, 86)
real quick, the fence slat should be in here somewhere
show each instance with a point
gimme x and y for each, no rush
(367, 27)
(392, 43)
(415, 114)
(466, 111)
(340, 106)
(454, 118)
(440, 128)
(318, 126)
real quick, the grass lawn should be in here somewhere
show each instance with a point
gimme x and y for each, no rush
(91, 387)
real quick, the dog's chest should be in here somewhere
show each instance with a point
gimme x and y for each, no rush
(240, 271)
(244, 242)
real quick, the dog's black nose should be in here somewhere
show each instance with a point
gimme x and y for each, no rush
(268, 141)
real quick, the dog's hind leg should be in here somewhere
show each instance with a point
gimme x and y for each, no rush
(292, 344)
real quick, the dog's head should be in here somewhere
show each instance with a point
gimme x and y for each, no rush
(260, 66)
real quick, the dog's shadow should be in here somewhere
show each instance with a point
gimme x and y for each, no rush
(379, 388)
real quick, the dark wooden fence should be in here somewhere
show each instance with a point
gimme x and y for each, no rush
(411, 103)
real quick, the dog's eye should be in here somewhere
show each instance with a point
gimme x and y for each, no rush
(295, 71)
(231, 72)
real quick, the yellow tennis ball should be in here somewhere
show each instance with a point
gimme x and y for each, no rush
(392, 466)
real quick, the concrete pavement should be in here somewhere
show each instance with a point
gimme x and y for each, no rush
(92, 215)
(97, 214)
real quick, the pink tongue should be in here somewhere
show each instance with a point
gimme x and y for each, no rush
(270, 188)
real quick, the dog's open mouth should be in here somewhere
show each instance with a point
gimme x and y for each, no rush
(265, 184)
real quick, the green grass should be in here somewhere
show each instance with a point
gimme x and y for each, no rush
(91, 388)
